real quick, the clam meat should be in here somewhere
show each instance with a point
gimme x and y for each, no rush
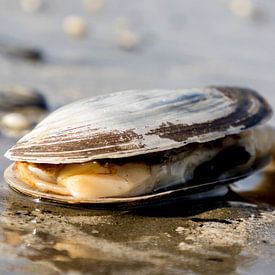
(135, 145)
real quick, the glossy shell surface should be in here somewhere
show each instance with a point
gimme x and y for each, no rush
(131, 123)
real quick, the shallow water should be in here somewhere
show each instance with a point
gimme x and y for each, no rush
(183, 44)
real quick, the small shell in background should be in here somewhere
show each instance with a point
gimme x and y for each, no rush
(31, 5)
(17, 96)
(15, 124)
(93, 6)
(124, 36)
(20, 50)
(21, 108)
(241, 8)
(74, 26)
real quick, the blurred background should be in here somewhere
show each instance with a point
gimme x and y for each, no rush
(88, 47)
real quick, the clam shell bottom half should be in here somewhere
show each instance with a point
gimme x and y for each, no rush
(190, 191)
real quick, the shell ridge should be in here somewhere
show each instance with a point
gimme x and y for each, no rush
(155, 120)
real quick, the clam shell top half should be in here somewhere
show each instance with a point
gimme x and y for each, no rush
(131, 123)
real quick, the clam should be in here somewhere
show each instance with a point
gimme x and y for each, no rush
(143, 146)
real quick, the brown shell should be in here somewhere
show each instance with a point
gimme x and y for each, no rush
(132, 123)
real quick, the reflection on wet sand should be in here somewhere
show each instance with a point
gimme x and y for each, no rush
(68, 239)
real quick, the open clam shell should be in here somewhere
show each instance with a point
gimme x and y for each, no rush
(132, 123)
(140, 123)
